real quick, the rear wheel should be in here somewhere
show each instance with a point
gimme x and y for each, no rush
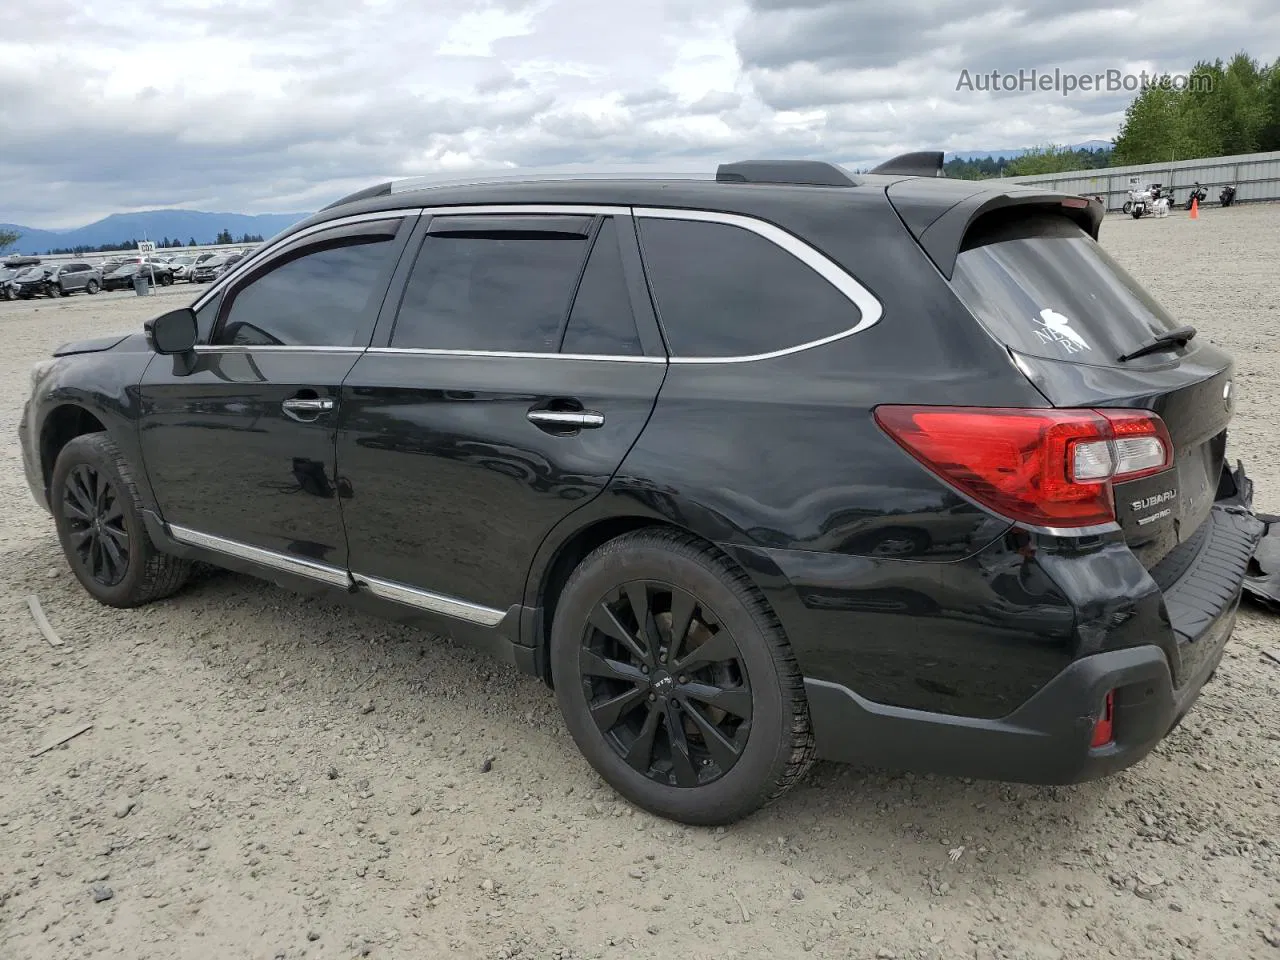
(676, 680)
(98, 516)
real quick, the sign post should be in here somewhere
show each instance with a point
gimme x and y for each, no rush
(145, 249)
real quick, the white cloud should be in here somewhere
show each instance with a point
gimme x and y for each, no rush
(282, 105)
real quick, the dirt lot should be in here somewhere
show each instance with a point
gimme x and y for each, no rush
(268, 777)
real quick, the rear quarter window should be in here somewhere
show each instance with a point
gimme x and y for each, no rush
(1045, 288)
(725, 291)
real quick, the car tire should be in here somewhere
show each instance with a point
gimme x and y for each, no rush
(620, 694)
(91, 287)
(114, 558)
(55, 290)
(165, 279)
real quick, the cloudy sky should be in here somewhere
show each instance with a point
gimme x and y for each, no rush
(283, 105)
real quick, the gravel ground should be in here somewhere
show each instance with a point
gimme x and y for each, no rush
(267, 777)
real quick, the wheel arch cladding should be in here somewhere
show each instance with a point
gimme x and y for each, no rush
(576, 548)
(63, 424)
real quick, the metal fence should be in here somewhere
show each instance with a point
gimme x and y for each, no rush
(1256, 176)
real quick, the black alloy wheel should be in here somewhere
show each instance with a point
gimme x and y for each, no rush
(676, 680)
(95, 504)
(96, 530)
(666, 683)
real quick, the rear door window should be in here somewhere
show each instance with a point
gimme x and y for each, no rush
(492, 284)
(1043, 287)
(602, 321)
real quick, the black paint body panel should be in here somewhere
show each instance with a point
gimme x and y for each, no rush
(899, 595)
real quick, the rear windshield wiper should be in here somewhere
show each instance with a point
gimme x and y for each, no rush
(1179, 337)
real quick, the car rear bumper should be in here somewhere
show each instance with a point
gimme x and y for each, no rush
(1048, 738)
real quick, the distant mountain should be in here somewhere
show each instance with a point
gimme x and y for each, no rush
(155, 225)
(1019, 151)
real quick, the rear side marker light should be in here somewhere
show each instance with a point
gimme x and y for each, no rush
(1052, 468)
(1104, 729)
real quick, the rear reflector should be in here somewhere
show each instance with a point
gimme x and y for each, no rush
(1104, 729)
(1049, 468)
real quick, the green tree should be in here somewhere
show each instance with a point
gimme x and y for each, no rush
(1149, 129)
(192, 242)
(8, 238)
(224, 236)
(1269, 97)
(1055, 159)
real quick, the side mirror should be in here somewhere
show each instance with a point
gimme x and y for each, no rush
(174, 332)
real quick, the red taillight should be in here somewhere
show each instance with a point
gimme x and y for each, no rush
(1104, 729)
(1044, 467)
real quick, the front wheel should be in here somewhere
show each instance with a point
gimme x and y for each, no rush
(165, 279)
(676, 680)
(1128, 206)
(54, 290)
(91, 287)
(98, 515)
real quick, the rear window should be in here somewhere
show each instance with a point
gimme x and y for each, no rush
(1044, 287)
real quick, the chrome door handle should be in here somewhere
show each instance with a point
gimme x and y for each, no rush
(307, 408)
(565, 419)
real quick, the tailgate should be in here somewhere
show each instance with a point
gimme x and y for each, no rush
(1068, 313)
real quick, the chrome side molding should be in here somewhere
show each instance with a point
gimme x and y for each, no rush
(384, 589)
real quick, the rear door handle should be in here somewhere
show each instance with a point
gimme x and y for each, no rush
(307, 408)
(566, 419)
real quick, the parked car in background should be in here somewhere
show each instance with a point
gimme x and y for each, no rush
(229, 262)
(68, 278)
(32, 282)
(7, 274)
(122, 276)
(203, 271)
(180, 265)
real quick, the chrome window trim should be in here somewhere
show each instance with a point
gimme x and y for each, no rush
(869, 308)
(263, 252)
(201, 348)
(267, 558)
(434, 602)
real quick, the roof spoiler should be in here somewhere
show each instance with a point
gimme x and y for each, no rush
(922, 163)
(940, 226)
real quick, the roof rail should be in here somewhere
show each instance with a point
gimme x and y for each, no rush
(922, 163)
(812, 173)
(381, 190)
(538, 176)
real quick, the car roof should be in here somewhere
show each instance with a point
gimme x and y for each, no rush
(674, 191)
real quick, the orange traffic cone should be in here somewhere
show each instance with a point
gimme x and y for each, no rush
(1195, 208)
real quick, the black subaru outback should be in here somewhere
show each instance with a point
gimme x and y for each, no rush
(787, 463)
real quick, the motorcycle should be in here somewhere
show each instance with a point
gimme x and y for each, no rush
(1143, 200)
(1197, 193)
(1227, 196)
